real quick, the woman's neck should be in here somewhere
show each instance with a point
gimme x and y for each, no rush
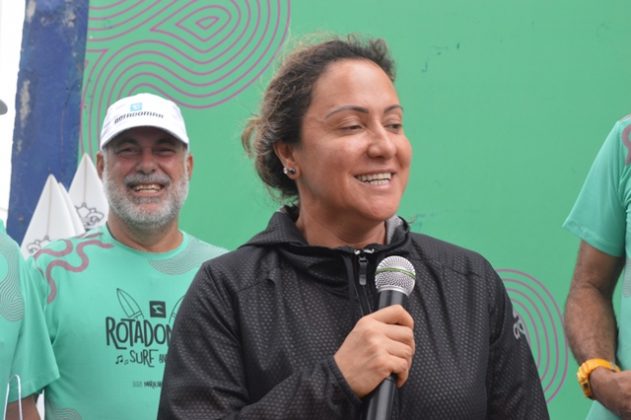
(335, 234)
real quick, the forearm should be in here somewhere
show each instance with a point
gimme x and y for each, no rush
(29, 409)
(590, 324)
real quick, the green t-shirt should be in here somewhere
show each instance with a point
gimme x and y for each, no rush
(25, 350)
(110, 310)
(601, 217)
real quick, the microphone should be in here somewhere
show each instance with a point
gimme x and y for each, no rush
(394, 279)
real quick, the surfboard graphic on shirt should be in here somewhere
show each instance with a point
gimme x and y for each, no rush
(129, 305)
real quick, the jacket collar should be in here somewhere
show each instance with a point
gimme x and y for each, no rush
(328, 266)
(282, 231)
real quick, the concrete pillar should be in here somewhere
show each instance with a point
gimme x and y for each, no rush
(46, 133)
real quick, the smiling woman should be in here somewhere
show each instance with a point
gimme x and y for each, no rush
(353, 159)
(286, 326)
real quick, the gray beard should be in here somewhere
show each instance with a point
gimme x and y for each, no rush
(128, 208)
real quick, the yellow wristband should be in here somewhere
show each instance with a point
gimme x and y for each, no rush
(586, 369)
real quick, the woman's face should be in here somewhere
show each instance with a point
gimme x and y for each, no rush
(353, 158)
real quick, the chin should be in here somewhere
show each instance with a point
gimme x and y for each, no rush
(375, 218)
(383, 212)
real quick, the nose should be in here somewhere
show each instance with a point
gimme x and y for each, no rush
(382, 145)
(147, 163)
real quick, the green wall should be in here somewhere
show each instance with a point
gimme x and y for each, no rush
(506, 104)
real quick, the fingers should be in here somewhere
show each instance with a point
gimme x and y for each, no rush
(395, 358)
(379, 345)
(384, 340)
(395, 323)
(394, 314)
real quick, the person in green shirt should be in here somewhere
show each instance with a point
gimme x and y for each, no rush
(111, 295)
(27, 362)
(601, 219)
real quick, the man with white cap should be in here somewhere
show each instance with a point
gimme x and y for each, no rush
(27, 363)
(111, 296)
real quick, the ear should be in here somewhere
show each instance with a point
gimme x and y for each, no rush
(189, 165)
(100, 164)
(285, 153)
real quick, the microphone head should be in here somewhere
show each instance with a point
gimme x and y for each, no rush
(395, 273)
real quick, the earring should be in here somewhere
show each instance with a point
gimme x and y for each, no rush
(289, 170)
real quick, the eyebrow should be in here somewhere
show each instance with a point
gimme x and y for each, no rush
(358, 108)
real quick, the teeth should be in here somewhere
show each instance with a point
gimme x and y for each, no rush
(385, 176)
(147, 187)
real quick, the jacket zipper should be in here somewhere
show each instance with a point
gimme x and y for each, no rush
(362, 260)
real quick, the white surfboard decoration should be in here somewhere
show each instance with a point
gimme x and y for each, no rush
(87, 194)
(72, 211)
(51, 219)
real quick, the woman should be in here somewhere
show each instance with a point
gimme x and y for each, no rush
(284, 328)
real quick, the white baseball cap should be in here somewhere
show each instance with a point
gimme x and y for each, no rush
(143, 110)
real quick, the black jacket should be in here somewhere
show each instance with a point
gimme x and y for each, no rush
(257, 330)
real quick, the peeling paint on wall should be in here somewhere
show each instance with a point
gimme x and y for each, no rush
(25, 101)
(30, 10)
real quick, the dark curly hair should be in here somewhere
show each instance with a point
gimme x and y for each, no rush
(288, 96)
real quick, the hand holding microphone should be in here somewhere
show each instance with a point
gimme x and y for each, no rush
(382, 343)
(394, 280)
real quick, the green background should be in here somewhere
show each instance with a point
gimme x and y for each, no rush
(506, 104)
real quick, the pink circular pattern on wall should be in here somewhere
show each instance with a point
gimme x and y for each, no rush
(542, 324)
(198, 53)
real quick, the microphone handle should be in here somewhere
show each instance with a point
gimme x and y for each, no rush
(381, 400)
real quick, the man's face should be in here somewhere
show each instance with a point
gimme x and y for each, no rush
(145, 173)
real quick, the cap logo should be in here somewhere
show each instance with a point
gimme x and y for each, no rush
(135, 107)
(137, 114)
